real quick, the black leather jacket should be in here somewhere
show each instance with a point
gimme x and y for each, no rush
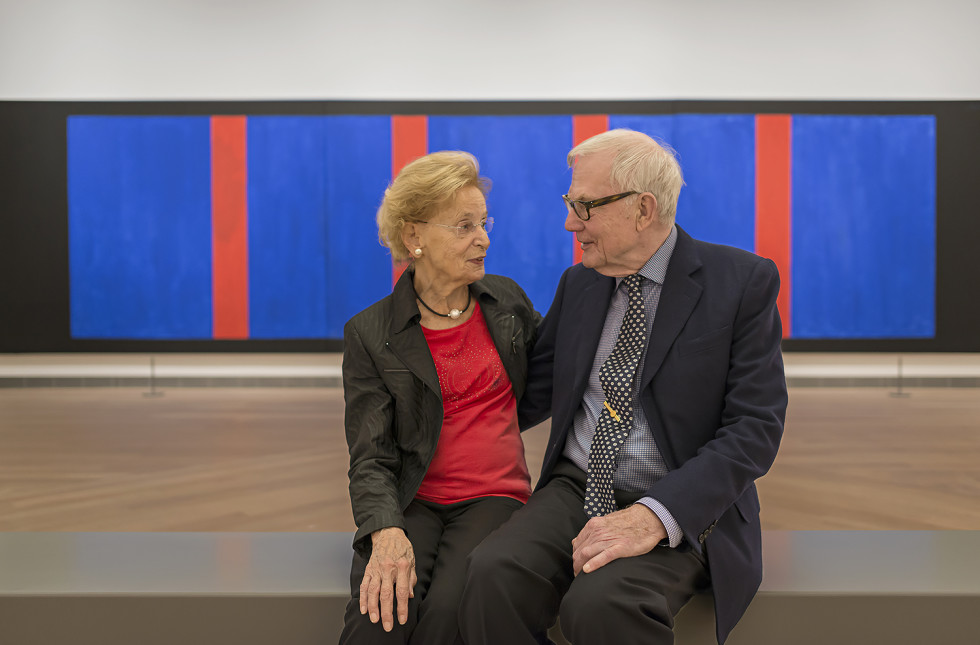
(393, 400)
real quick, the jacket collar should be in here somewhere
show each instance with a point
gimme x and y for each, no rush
(407, 340)
(405, 312)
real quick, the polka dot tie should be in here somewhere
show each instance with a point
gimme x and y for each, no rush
(616, 375)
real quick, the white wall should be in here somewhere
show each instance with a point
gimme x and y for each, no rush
(489, 49)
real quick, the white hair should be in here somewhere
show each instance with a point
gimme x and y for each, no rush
(641, 164)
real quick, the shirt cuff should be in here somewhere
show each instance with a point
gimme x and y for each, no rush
(674, 533)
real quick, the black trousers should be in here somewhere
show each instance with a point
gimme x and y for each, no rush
(442, 537)
(520, 579)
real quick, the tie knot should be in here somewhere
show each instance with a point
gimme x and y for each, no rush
(633, 282)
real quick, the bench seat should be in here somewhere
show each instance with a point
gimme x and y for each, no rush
(861, 587)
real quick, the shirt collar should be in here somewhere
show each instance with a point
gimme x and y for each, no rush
(656, 267)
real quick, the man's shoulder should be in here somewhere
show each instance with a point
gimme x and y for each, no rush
(725, 254)
(728, 267)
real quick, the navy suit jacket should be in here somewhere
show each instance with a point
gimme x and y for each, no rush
(712, 388)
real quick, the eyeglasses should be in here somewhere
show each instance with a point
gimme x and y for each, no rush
(468, 228)
(583, 209)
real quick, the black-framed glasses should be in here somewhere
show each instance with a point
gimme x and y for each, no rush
(466, 229)
(583, 209)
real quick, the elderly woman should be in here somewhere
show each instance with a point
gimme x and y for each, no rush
(432, 375)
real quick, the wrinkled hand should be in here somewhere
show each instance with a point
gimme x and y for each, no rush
(389, 579)
(623, 534)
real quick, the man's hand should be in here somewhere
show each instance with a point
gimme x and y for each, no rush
(389, 578)
(623, 534)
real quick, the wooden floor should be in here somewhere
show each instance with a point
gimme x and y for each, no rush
(275, 459)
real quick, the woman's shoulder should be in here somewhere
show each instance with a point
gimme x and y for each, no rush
(500, 285)
(507, 293)
(370, 318)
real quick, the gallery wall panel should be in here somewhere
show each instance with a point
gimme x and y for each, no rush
(251, 225)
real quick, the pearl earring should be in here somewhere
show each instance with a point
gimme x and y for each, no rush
(418, 253)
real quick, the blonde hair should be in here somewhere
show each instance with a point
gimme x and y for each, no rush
(641, 164)
(420, 189)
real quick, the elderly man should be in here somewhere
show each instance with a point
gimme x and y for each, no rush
(659, 363)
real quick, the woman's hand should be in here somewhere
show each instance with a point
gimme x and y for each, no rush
(389, 578)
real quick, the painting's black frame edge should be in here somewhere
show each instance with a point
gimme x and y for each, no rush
(494, 107)
(957, 150)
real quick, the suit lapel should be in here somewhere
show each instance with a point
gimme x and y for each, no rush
(585, 317)
(678, 298)
(411, 349)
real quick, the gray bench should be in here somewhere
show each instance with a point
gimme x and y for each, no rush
(863, 587)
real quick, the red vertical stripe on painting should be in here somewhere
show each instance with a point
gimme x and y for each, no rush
(229, 228)
(773, 154)
(583, 127)
(409, 141)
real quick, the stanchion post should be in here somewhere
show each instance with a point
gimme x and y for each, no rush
(898, 393)
(153, 380)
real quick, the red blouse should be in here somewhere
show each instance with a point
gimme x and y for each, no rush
(480, 451)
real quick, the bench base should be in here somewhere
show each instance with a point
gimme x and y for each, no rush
(901, 588)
